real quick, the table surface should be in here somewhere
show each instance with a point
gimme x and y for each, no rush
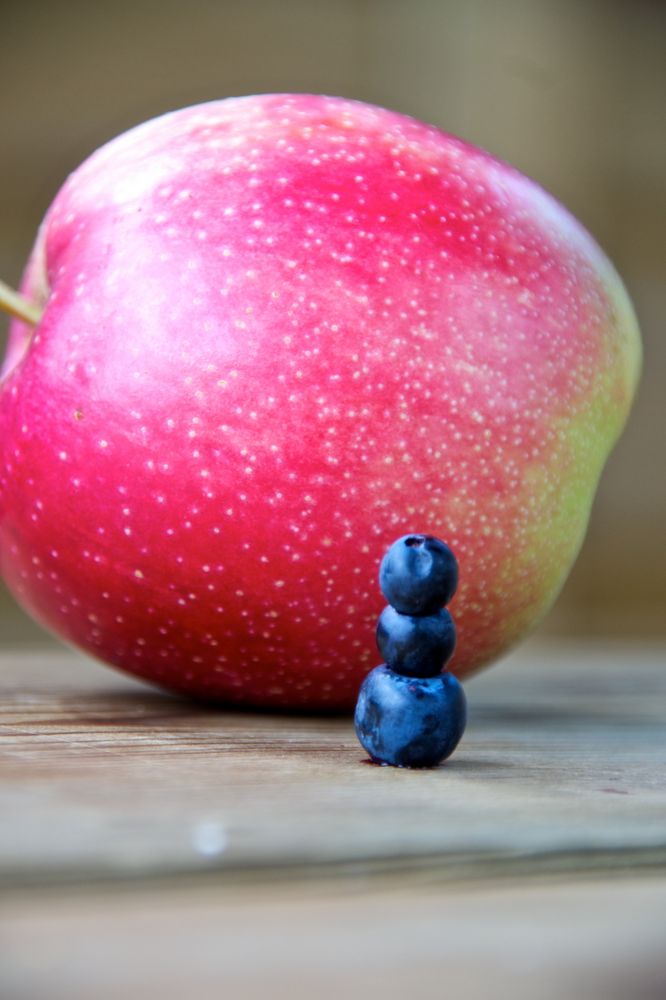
(230, 843)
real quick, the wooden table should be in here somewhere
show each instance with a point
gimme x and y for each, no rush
(149, 847)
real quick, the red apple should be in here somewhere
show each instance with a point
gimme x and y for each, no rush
(279, 332)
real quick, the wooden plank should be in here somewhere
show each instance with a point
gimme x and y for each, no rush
(100, 777)
(524, 941)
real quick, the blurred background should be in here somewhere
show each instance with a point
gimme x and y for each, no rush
(569, 91)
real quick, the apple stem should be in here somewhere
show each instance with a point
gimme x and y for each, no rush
(18, 306)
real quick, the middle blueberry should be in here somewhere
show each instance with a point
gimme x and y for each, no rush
(417, 646)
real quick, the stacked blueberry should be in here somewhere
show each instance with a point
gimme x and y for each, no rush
(410, 712)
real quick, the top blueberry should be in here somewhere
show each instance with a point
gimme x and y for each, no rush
(418, 575)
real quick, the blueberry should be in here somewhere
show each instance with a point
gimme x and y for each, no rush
(416, 645)
(410, 721)
(418, 574)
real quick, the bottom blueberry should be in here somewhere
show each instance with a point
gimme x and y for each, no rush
(410, 721)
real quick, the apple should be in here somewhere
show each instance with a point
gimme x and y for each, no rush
(275, 333)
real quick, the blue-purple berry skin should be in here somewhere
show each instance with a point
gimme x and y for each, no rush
(416, 645)
(410, 721)
(418, 575)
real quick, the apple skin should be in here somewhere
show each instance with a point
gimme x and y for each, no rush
(279, 332)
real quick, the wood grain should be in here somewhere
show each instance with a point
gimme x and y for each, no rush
(150, 848)
(588, 940)
(562, 768)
